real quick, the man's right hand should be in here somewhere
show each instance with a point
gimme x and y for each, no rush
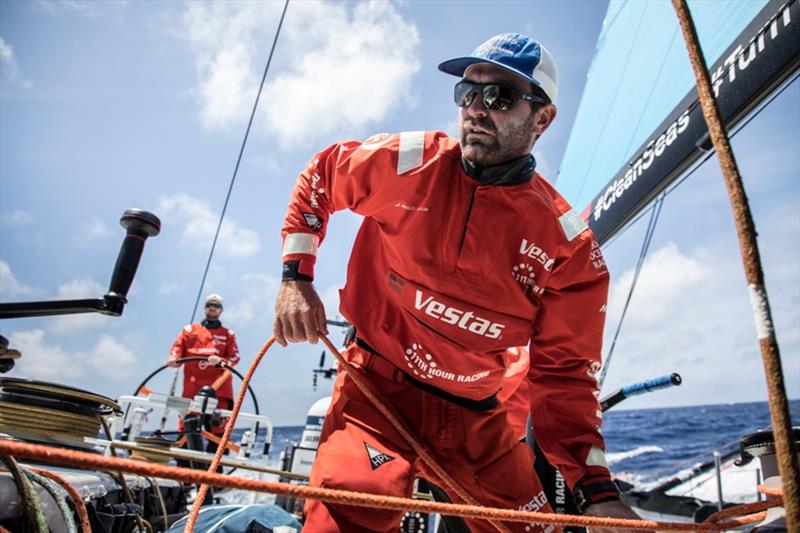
(172, 362)
(299, 314)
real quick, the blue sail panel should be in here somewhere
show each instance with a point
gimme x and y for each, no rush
(639, 74)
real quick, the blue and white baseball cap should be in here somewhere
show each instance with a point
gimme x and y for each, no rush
(516, 53)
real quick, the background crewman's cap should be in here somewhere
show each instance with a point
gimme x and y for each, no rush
(215, 298)
(516, 53)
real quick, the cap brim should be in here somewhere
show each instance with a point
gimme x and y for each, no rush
(457, 66)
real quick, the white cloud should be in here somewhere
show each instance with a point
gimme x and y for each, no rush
(667, 277)
(86, 8)
(95, 229)
(41, 360)
(112, 360)
(691, 314)
(75, 290)
(16, 217)
(8, 67)
(258, 301)
(351, 71)
(10, 286)
(200, 224)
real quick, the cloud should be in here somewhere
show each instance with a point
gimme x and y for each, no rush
(350, 72)
(10, 286)
(666, 278)
(262, 290)
(84, 8)
(95, 229)
(112, 360)
(691, 314)
(200, 224)
(8, 67)
(41, 360)
(76, 290)
(16, 217)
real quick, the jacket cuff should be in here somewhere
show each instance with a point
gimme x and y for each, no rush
(595, 489)
(298, 270)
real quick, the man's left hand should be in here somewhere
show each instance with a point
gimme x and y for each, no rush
(612, 509)
(214, 360)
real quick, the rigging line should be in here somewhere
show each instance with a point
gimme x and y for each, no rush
(645, 246)
(239, 160)
(696, 166)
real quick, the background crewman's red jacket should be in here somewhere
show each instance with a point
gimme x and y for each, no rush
(196, 340)
(447, 273)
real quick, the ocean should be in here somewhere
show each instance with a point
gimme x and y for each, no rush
(648, 445)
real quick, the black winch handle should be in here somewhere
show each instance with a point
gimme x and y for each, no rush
(139, 225)
(650, 385)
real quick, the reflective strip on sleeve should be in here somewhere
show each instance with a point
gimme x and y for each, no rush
(300, 243)
(412, 145)
(572, 224)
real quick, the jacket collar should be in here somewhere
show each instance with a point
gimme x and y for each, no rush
(211, 324)
(514, 172)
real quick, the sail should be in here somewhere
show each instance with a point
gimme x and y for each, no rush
(639, 123)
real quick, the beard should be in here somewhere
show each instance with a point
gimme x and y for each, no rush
(510, 140)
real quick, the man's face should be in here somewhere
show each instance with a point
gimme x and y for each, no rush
(213, 310)
(491, 137)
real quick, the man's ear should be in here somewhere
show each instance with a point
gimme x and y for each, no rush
(545, 116)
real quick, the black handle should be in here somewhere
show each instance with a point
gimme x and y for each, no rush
(139, 225)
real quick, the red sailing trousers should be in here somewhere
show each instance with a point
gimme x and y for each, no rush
(360, 450)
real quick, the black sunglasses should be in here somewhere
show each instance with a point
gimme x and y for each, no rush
(495, 96)
(217, 306)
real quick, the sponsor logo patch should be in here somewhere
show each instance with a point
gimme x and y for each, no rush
(466, 320)
(312, 221)
(376, 457)
(596, 256)
(533, 251)
(424, 367)
(525, 276)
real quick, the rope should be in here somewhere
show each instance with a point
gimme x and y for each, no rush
(770, 491)
(143, 524)
(75, 458)
(648, 237)
(56, 493)
(226, 436)
(216, 440)
(788, 464)
(418, 448)
(31, 503)
(77, 501)
(157, 490)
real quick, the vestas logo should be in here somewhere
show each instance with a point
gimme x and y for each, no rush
(466, 320)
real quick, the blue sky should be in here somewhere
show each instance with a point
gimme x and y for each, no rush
(111, 105)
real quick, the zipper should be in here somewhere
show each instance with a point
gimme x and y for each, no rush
(466, 222)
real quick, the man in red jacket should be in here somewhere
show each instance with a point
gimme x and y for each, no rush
(464, 251)
(216, 342)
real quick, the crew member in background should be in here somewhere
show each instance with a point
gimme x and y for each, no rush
(208, 339)
(464, 252)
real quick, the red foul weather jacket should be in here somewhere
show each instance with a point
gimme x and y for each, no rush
(196, 340)
(447, 273)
